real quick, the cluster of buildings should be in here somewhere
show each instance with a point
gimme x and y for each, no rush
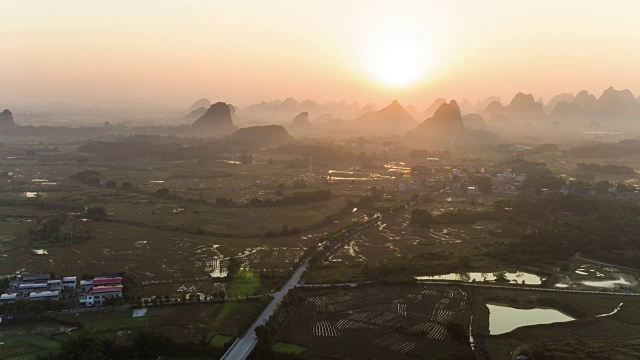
(505, 183)
(33, 287)
(99, 289)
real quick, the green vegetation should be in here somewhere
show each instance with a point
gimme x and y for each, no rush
(605, 169)
(118, 323)
(220, 340)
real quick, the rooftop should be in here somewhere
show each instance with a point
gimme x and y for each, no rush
(100, 281)
(43, 294)
(105, 289)
(32, 286)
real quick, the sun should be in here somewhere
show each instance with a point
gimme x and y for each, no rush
(398, 54)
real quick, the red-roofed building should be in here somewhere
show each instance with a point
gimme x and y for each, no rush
(100, 294)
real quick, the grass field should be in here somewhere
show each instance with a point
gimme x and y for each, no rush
(220, 340)
(26, 346)
(120, 323)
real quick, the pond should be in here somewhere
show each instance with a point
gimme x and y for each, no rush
(519, 277)
(504, 319)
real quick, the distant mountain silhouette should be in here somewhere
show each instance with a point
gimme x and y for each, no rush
(585, 100)
(261, 136)
(525, 106)
(365, 109)
(216, 121)
(323, 118)
(482, 104)
(565, 97)
(568, 112)
(6, 120)
(613, 107)
(198, 104)
(613, 101)
(445, 122)
(413, 111)
(280, 111)
(474, 121)
(435, 105)
(393, 119)
(522, 109)
(301, 120)
(195, 114)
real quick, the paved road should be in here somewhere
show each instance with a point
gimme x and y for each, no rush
(242, 347)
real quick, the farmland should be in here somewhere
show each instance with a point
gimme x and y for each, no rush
(389, 322)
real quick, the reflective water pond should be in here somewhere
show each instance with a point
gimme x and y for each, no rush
(519, 277)
(504, 319)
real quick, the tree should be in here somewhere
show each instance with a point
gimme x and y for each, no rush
(457, 332)
(285, 230)
(233, 266)
(97, 213)
(421, 217)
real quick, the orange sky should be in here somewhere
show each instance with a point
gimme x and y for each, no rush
(169, 53)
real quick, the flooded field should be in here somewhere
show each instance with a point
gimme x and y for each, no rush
(517, 277)
(504, 319)
(598, 277)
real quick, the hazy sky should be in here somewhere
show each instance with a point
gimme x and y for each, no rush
(170, 53)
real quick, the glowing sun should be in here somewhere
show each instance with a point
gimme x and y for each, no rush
(398, 54)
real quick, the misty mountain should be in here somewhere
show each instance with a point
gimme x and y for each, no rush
(435, 105)
(483, 103)
(585, 99)
(568, 113)
(413, 111)
(365, 109)
(565, 97)
(323, 118)
(613, 108)
(301, 120)
(445, 122)
(474, 121)
(262, 136)
(195, 114)
(6, 119)
(202, 103)
(620, 102)
(216, 121)
(523, 108)
(279, 112)
(393, 119)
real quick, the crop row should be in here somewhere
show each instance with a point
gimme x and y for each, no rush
(396, 342)
(324, 328)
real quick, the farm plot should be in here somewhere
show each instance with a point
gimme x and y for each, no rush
(385, 322)
(119, 323)
(271, 258)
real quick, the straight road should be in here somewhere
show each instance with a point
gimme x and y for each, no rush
(242, 347)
